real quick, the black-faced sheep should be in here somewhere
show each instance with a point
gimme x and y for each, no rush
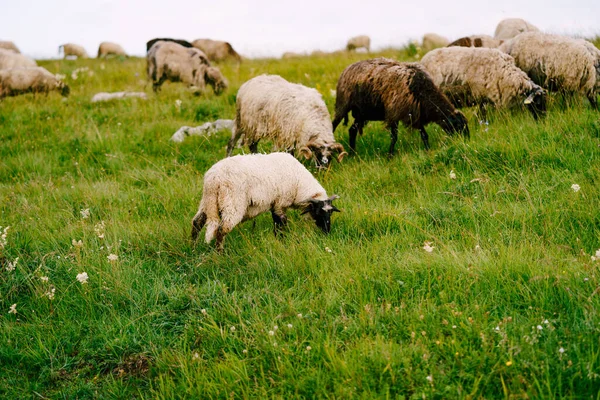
(70, 49)
(558, 63)
(10, 59)
(16, 81)
(477, 41)
(110, 49)
(293, 116)
(382, 89)
(239, 188)
(173, 62)
(478, 76)
(359, 42)
(217, 50)
(510, 27)
(8, 45)
(181, 42)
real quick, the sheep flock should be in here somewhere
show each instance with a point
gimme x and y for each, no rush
(518, 68)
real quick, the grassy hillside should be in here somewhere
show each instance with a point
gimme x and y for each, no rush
(505, 305)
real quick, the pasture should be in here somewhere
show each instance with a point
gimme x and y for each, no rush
(461, 272)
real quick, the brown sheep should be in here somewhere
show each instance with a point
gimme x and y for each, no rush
(382, 89)
(173, 62)
(217, 50)
(476, 41)
(16, 81)
(8, 45)
(110, 49)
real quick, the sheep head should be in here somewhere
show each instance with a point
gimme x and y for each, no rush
(456, 122)
(215, 78)
(323, 153)
(64, 89)
(536, 102)
(321, 210)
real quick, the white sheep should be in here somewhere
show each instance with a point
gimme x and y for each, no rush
(8, 45)
(293, 116)
(239, 188)
(173, 62)
(108, 48)
(10, 59)
(477, 76)
(558, 63)
(510, 27)
(105, 96)
(477, 41)
(433, 40)
(359, 42)
(206, 129)
(16, 81)
(71, 49)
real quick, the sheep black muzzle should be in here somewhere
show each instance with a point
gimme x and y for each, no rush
(536, 103)
(321, 210)
(456, 122)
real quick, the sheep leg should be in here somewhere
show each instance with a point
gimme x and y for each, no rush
(338, 118)
(593, 101)
(156, 85)
(220, 237)
(279, 221)
(235, 135)
(352, 135)
(425, 137)
(197, 224)
(394, 137)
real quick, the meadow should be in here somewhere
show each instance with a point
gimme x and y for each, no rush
(466, 271)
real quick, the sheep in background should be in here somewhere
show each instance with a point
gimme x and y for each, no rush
(10, 59)
(181, 42)
(70, 49)
(382, 89)
(477, 41)
(433, 41)
(477, 76)
(240, 188)
(206, 129)
(359, 42)
(16, 81)
(108, 48)
(558, 63)
(217, 50)
(8, 45)
(510, 27)
(173, 62)
(105, 96)
(293, 116)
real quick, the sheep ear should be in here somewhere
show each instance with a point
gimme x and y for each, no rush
(305, 151)
(530, 98)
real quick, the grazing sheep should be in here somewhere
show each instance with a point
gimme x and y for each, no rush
(382, 89)
(70, 49)
(16, 81)
(10, 59)
(477, 41)
(217, 50)
(173, 62)
(558, 63)
(105, 96)
(510, 27)
(110, 49)
(181, 42)
(206, 129)
(8, 45)
(358, 42)
(293, 116)
(433, 41)
(470, 76)
(239, 188)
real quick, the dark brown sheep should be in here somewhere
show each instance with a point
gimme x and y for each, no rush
(382, 89)
(181, 42)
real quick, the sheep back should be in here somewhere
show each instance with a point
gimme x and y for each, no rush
(108, 48)
(18, 81)
(10, 59)
(71, 49)
(217, 50)
(357, 42)
(433, 40)
(8, 45)
(510, 27)
(181, 42)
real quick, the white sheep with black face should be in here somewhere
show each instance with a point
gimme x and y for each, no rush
(240, 188)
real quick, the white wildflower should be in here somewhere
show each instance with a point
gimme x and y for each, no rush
(327, 249)
(452, 174)
(196, 356)
(332, 92)
(178, 104)
(561, 350)
(289, 326)
(112, 257)
(429, 378)
(12, 265)
(85, 213)
(99, 229)
(245, 351)
(275, 327)
(299, 315)
(596, 256)
(60, 77)
(44, 278)
(50, 293)
(428, 247)
(308, 348)
(77, 243)
(271, 333)
(13, 309)
(575, 187)
(232, 329)
(203, 311)
(546, 322)
(82, 277)
(3, 237)
(540, 327)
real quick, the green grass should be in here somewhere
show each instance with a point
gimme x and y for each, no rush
(380, 316)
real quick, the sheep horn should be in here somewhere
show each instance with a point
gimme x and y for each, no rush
(529, 98)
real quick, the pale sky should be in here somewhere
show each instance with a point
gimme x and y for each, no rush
(259, 28)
